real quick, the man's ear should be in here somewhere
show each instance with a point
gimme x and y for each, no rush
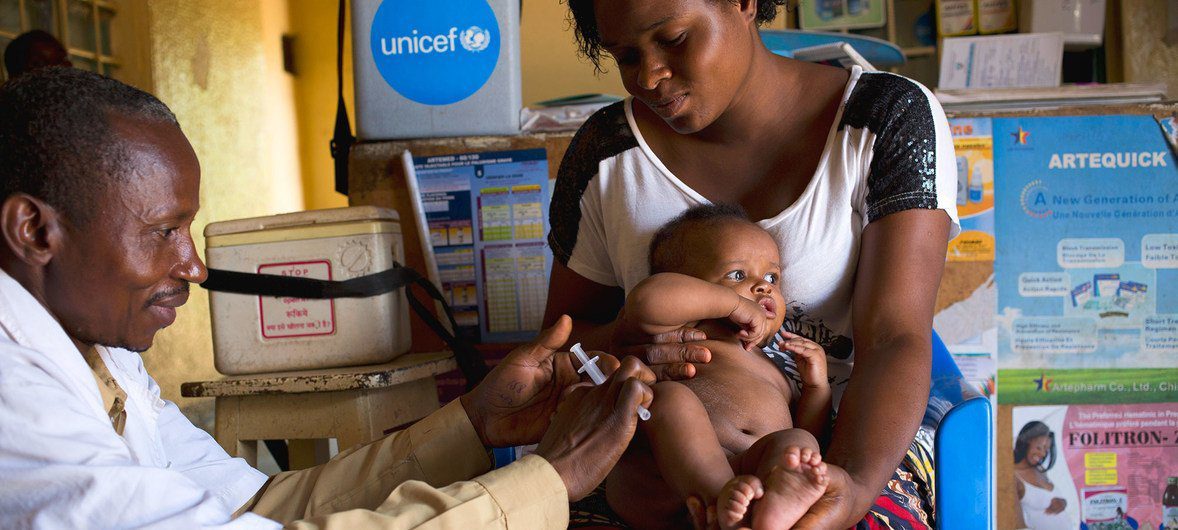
(31, 228)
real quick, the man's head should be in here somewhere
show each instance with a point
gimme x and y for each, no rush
(32, 50)
(718, 243)
(99, 190)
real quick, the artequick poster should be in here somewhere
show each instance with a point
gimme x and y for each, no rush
(1086, 220)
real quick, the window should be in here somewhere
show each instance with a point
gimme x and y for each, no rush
(83, 26)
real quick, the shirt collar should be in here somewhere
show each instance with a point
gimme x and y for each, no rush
(29, 324)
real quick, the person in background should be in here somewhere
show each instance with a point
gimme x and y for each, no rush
(99, 191)
(32, 50)
(1038, 507)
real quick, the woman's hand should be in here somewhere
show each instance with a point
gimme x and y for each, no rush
(670, 355)
(1057, 506)
(836, 506)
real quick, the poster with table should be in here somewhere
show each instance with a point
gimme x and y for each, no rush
(487, 214)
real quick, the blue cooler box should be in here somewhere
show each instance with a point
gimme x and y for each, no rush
(426, 68)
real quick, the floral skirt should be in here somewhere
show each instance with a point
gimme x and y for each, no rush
(905, 504)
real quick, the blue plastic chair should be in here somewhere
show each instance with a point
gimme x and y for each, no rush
(963, 447)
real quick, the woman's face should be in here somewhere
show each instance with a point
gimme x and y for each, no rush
(1037, 450)
(685, 59)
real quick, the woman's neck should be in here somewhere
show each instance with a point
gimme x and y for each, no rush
(757, 106)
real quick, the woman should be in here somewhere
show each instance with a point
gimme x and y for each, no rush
(1038, 507)
(852, 172)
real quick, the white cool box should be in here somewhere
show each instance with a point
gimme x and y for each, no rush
(255, 334)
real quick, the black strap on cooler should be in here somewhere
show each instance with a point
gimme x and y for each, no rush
(470, 361)
(341, 142)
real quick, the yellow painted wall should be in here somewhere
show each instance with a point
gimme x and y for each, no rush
(313, 26)
(217, 64)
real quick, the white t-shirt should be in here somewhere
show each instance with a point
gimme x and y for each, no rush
(889, 150)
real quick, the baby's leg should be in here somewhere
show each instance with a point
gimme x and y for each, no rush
(793, 474)
(676, 454)
(684, 443)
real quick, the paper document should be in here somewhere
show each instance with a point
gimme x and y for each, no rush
(1002, 61)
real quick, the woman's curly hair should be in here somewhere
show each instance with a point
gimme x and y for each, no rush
(584, 23)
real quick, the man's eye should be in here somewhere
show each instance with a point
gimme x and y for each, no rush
(771, 278)
(168, 232)
(736, 275)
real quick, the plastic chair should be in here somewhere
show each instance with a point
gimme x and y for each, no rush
(963, 447)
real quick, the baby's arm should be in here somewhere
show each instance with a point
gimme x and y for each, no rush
(812, 409)
(668, 301)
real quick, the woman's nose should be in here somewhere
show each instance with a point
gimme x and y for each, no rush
(652, 71)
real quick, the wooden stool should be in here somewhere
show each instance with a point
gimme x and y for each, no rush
(354, 405)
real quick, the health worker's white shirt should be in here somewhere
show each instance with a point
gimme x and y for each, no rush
(62, 465)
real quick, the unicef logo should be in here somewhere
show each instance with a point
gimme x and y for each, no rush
(422, 53)
(475, 39)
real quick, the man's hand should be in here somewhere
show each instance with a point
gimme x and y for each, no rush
(513, 404)
(593, 425)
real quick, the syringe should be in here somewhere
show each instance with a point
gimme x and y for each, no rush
(589, 366)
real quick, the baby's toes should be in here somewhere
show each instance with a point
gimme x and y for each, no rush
(793, 457)
(817, 473)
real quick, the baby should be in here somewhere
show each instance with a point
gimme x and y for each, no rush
(727, 435)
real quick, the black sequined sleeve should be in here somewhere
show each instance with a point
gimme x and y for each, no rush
(912, 153)
(602, 136)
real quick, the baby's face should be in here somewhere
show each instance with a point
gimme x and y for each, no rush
(743, 257)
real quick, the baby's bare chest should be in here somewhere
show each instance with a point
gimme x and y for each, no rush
(745, 395)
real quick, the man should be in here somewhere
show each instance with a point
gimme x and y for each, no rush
(32, 50)
(100, 188)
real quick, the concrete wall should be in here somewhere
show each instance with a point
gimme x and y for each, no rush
(1147, 58)
(217, 64)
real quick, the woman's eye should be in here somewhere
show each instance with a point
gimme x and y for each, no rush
(676, 41)
(771, 278)
(736, 276)
(625, 58)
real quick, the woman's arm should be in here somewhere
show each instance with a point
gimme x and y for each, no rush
(901, 260)
(594, 308)
(1019, 521)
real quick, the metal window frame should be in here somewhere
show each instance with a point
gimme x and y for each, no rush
(104, 63)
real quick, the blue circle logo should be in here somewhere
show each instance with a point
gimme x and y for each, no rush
(435, 53)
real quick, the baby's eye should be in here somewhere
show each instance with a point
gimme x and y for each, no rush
(736, 275)
(771, 278)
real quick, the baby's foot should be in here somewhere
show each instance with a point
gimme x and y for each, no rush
(733, 502)
(791, 489)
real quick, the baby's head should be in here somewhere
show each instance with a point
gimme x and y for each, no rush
(718, 243)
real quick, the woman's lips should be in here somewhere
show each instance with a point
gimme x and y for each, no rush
(668, 107)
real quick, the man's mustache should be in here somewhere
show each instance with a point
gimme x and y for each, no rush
(181, 289)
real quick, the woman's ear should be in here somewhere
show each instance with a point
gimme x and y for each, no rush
(31, 228)
(748, 9)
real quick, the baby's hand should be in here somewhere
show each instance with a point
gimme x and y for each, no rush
(811, 358)
(749, 316)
